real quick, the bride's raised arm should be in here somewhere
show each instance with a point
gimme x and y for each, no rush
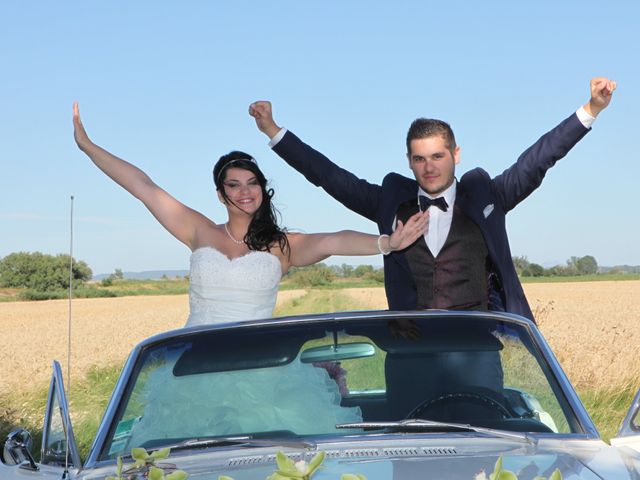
(181, 221)
(307, 249)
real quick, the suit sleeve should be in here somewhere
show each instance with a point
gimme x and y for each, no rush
(354, 193)
(519, 180)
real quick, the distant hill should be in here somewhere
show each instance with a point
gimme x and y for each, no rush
(146, 275)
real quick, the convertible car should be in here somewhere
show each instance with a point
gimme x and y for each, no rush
(386, 395)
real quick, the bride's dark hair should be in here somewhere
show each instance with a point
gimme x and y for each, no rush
(263, 230)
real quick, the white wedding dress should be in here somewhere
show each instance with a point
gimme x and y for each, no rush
(297, 397)
(226, 290)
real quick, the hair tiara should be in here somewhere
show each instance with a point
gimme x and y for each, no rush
(235, 160)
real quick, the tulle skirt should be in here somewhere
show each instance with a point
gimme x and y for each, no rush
(297, 398)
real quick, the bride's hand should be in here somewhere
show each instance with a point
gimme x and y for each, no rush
(405, 234)
(79, 133)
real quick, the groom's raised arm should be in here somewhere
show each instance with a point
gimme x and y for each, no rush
(354, 193)
(523, 177)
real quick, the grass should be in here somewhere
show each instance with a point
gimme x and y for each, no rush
(607, 407)
(318, 301)
(180, 286)
(118, 288)
(598, 277)
(87, 401)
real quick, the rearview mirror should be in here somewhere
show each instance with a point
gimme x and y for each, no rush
(328, 353)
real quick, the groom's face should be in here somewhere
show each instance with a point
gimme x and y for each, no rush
(433, 163)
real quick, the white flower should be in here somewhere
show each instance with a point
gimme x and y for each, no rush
(302, 467)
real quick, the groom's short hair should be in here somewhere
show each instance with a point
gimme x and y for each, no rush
(429, 127)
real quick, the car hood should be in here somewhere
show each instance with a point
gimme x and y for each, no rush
(405, 460)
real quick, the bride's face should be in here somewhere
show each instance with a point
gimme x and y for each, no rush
(242, 189)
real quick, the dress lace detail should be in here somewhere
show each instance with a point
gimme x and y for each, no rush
(226, 290)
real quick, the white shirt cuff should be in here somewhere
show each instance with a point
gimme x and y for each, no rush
(586, 119)
(278, 136)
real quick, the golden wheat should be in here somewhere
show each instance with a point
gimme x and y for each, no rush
(103, 332)
(592, 327)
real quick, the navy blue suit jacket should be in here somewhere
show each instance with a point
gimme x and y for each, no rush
(483, 199)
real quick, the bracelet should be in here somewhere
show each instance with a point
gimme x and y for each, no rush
(380, 246)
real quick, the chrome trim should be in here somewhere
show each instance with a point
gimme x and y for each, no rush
(57, 388)
(590, 431)
(17, 446)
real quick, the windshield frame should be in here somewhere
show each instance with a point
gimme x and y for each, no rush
(559, 381)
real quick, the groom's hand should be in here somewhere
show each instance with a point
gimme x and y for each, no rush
(601, 93)
(261, 111)
(404, 328)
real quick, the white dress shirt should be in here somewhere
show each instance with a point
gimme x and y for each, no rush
(439, 221)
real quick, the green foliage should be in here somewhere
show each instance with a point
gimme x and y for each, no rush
(521, 263)
(344, 270)
(41, 272)
(576, 266)
(311, 276)
(290, 470)
(500, 473)
(115, 276)
(88, 398)
(82, 291)
(287, 469)
(533, 270)
(362, 270)
(145, 466)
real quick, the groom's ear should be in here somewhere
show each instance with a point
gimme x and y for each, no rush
(456, 155)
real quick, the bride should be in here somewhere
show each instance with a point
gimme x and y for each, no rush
(235, 269)
(236, 265)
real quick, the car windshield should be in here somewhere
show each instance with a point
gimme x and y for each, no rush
(294, 379)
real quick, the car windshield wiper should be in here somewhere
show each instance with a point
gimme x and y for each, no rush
(416, 424)
(240, 441)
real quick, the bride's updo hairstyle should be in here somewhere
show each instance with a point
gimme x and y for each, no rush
(263, 230)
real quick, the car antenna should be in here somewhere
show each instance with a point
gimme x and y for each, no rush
(67, 427)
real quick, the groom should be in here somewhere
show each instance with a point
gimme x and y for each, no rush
(464, 260)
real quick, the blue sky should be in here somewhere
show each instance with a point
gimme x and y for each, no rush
(166, 85)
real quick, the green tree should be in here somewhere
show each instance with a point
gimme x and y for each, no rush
(310, 276)
(521, 263)
(362, 270)
(587, 265)
(41, 272)
(533, 270)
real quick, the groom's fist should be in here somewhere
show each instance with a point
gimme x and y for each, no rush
(261, 111)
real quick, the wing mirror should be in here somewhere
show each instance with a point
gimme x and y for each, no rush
(17, 450)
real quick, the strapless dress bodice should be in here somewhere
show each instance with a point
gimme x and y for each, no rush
(227, 290)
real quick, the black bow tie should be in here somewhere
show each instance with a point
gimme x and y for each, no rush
(426, 202)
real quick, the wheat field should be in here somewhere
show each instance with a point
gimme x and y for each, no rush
(592, 327)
